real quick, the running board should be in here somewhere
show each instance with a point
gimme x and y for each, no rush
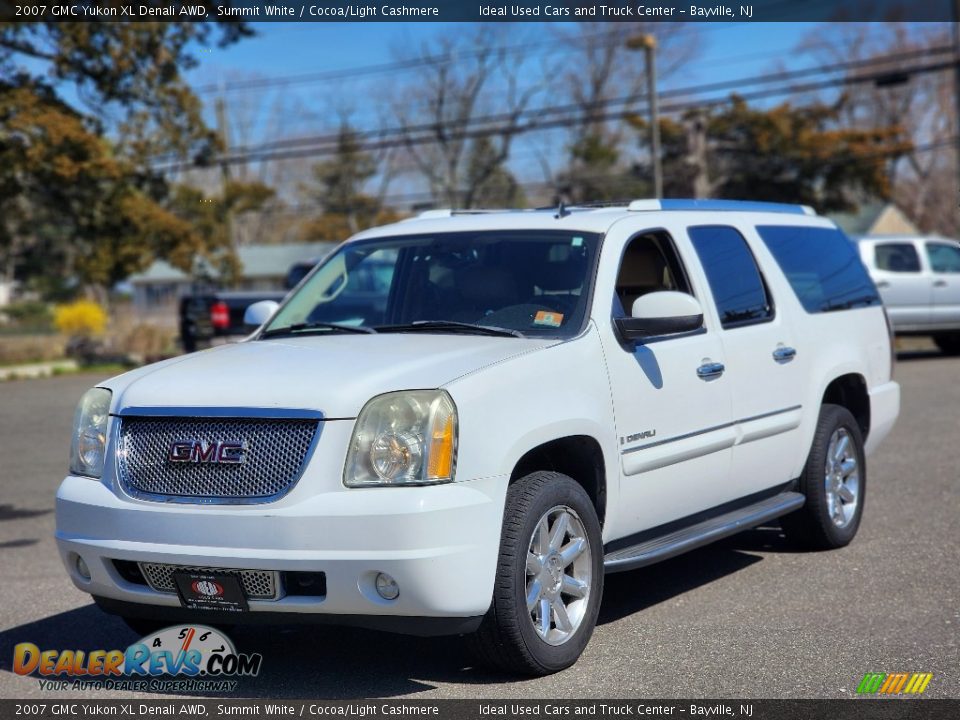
(702, 533)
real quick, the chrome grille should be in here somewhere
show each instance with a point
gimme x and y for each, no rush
(257, 584)
(274, 458)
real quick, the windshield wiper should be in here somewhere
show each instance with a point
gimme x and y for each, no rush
(450, 326)
(299, 328)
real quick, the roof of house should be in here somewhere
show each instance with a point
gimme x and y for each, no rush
(256, 261)
(875, 218)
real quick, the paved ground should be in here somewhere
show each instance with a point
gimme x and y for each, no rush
(747, 618)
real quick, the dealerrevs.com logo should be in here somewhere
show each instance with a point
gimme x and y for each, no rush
(179, 658)
(894, 683)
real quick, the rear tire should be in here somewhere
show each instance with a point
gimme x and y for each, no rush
(834, 482)
(549, 579)
(948, 344)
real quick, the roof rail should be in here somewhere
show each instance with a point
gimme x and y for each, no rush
(428, 214)
(719, 205)
(449, 212)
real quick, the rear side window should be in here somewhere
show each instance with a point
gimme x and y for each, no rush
(822, 266)
(944, 258)
(734, 278)
(897, 257)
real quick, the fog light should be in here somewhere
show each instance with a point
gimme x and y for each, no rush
(82, 569)
(387, 587)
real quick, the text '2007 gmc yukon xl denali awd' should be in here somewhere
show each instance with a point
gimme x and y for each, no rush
(534, 399)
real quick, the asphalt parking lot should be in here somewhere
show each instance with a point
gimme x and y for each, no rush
(745, 618)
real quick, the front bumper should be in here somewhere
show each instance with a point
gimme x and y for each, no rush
(440, 544)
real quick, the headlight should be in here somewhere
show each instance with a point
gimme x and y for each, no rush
(90, 433)
(404, 438)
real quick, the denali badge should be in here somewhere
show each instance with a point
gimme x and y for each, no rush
(198, 451)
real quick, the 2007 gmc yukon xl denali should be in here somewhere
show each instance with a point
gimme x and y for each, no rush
(533, 399)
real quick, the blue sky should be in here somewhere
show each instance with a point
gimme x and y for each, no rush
(727, 50)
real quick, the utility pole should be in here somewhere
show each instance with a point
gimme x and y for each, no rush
(220, 108)
(649, 43)
(696, 158)
(956, 81)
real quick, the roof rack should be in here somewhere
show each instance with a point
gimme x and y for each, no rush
(642, 205)
(719, 205)
(450, 212)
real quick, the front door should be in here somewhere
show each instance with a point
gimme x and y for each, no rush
(904, 286)
(944, 259)
(671, 397)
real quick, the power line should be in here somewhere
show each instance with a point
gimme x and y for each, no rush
(714, 62)
(426, 195)
(585, 108)
(384, 139)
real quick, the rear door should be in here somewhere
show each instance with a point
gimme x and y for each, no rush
(765, 365)
(905, 286)
(944, 260)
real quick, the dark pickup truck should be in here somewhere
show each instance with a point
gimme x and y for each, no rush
(206, 316)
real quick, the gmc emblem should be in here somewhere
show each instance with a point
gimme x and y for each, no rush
(198, 451)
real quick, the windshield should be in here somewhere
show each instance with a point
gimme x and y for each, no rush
(530, 283)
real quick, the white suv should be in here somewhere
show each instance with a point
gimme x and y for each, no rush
(460, 423)
(919, 281)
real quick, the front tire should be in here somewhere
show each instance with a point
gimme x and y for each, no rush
(834, 482)
(549, 579)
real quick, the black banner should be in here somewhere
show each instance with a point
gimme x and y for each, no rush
(854, 709)
(481, 10)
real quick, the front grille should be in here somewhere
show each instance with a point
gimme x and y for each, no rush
(257, 584)
(273, 459)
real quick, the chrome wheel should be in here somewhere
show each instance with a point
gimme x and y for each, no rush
(842, 478)
(559, 575)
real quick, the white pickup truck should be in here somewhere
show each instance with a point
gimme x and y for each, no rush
(529, 400)
(919, 282)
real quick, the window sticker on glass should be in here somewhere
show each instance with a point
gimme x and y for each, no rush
(548, 319)
(576, 241)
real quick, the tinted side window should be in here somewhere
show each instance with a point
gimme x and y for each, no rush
(897, 257)
(649, 264)
(822, 265)
(944, 258)
(734, 278)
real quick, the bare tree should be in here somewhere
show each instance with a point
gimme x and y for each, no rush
(923, 180)
(604, 80)
(470, 87)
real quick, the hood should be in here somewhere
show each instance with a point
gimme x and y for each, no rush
(336, 375)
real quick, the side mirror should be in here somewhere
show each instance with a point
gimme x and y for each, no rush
(258, 313)
(661, 313)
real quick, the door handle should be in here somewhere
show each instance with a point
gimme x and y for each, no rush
(710, 370)
(883, 284)
(940, 283)
(784, 354)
